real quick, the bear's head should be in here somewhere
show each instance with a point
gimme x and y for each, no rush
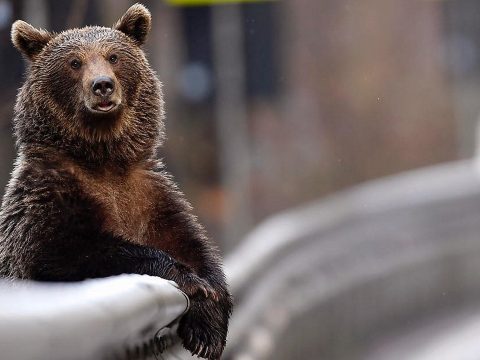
(90, 92)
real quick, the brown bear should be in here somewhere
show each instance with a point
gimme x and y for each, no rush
(87, 197)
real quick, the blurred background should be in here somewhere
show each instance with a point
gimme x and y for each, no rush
(272, 104)
(276, 104)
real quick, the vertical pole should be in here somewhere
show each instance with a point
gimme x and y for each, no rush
(231, 117)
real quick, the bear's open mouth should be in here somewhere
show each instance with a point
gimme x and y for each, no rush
(105, 106)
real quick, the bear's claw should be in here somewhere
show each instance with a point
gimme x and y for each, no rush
(199, 340)
(193, 286)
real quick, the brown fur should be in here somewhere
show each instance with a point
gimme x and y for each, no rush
(126, 198)
(87, 197)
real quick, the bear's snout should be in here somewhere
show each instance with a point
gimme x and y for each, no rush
(103, 86)
(102, 93)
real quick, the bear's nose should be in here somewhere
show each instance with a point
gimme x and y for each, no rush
(103, 86)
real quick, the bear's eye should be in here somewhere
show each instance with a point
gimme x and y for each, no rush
(75, 64)
(113, 59)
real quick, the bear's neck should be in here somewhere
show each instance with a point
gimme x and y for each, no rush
(53, 158)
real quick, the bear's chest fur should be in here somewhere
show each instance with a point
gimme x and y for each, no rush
(126, 201)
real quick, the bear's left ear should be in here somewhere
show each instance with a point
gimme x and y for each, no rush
(28, 40)
(135, 23)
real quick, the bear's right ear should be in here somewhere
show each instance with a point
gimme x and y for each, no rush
(28, 40)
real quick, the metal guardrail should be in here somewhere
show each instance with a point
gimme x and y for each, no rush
(324, 280)
(273, 238)
(123, 317)
(450, 336)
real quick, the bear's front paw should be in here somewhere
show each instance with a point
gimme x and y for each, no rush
(200, 336)
(193, 286)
